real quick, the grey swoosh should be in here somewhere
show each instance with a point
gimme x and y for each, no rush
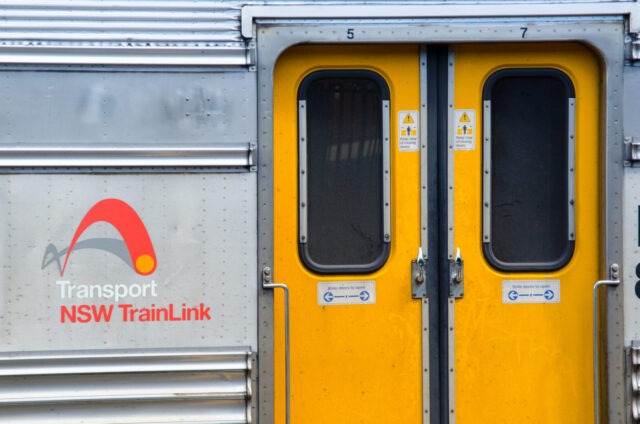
(111, 245)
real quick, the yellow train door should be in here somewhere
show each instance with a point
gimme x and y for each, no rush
(355, 331)
(528, 232)
(380, 157)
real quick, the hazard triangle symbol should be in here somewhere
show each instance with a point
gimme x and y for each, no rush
(465, 118)
(408, 120)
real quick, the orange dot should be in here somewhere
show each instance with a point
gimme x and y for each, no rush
(144, 264)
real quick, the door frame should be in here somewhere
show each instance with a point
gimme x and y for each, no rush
(605, 37)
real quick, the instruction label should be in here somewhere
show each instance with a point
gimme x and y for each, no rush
(531, 291)
(346, 292)
(464, 137)
(408, 130)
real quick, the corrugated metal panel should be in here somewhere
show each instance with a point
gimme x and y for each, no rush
(159, 386)
(128, 157)
(635, 380)
(122, 32)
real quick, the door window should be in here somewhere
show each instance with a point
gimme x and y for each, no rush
(344, 201)
(528, 181)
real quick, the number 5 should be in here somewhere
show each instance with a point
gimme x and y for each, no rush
(350, 34)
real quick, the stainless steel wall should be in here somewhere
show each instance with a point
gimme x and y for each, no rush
(125, 108)
(203, 230)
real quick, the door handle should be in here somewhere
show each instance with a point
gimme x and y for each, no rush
(596, 365)
(418, 274)
(267, 284)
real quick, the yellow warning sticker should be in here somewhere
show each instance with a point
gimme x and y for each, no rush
(408, 130)
(408, 119)
(464, 134)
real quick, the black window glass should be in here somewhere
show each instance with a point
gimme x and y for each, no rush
(344, 166)
(529, 228)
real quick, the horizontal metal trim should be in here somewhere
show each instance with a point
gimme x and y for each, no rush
(123, 361)
(122, 4)
(186, 411)
(113, 56)
(128, 15)
(635, 352)
(115, 38)
(78, 157)
(442, 10)
(127, 386)
(95, 25)
(123, 387)
(122, 33)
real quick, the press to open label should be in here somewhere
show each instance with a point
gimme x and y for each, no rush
(530, 291)
(346, 292)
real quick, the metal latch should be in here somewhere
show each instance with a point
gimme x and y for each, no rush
(631, 151)
(419, 276)
(456, 276)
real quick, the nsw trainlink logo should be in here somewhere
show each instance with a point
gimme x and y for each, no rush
(104, 301)
(135, 248)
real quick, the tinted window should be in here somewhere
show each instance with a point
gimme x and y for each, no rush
(344, 171)
(530, 199)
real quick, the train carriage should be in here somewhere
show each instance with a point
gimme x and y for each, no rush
(319, 212)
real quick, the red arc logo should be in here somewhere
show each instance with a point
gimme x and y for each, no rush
(129, 225)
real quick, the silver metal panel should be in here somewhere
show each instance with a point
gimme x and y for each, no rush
(424, 157)
(120, 386)
(202, 228)
(612, 221)
(224, 55)
(124, 109)
(265, 231)
(116, 32)
(630, 278)
(426, 387)
(443, 10)
(205, 157)
(486, 171)
(596, 344)
(424, 234)
(631, 212)
(451, 307)
(450, 152)
(451, 361)
(302, 168)
(386, 171)
(604, 35)
(571, 179)
(266, 283)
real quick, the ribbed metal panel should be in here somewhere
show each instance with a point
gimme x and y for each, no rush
(635, 380)
(136, 157)
(122, 32)
(142, 386)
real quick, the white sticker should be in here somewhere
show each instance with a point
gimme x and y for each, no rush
(531, 291)
(346, 292)
(465, 129)
(408, 130)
